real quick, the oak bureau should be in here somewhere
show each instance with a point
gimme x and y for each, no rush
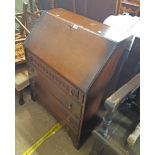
(70, 63)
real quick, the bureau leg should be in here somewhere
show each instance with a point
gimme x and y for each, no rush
(33, 96)
(76, 145)
(73, 137)
(21, 99)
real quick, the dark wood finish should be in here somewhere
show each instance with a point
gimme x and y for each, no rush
(99, 9)
(70, 64)
(24, 18)
(94, 9)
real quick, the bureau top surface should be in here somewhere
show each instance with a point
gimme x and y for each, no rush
(72, 45)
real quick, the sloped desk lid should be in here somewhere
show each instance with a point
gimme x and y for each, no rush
(72, 45)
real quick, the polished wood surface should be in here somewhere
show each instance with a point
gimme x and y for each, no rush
(71, 62)
(84, 38)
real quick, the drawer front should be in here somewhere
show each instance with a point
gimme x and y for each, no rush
(55, 107)
(55, 78)
(50, 86)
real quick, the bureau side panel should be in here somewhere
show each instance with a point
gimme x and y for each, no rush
(98, 90)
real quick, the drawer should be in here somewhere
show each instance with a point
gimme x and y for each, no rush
(54, 106)
(64, 98)
(53, 76)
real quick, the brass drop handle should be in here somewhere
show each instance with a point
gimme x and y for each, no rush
(30, 58)
(68, 120)
(73, 27)
(69, 106)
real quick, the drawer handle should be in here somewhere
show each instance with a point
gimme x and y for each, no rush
(68, 120)
(69, 106)
(30, 58)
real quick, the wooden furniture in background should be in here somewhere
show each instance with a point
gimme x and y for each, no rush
(95, 9)
(130, 6)
(21, 72)
(119, 133)
(19, 53)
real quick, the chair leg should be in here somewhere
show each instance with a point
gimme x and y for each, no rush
(33, 96)
(21, 98)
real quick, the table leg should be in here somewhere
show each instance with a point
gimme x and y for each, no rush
(21, 98)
